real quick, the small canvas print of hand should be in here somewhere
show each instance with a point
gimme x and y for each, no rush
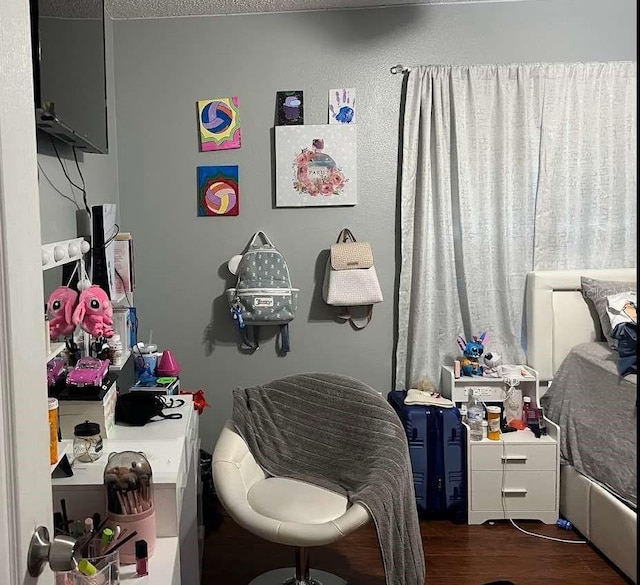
(342, 106)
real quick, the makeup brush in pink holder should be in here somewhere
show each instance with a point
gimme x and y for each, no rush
(129, 490)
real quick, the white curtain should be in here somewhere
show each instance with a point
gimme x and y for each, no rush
(507, 169)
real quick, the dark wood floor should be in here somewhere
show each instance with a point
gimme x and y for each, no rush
(455, 555)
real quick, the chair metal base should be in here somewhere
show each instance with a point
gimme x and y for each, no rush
(287, 577)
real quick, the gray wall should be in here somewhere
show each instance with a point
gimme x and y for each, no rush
(163, 66)
(57, 215)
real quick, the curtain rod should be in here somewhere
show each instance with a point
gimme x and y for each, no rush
(399, 69)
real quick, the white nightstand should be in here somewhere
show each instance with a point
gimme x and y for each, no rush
(518, 476)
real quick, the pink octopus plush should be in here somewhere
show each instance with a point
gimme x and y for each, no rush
(61, 304)
(94, 312)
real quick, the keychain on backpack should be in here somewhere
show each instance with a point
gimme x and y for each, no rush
(236, 310)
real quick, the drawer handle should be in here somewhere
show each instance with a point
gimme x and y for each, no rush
(510, 458)
(514, 492)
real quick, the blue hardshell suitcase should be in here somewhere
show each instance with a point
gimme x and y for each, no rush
(437, 448)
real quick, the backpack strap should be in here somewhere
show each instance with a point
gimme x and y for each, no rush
(247, 343)
(345, 236)
(173, 415)
(347, 316)
(285, 347)
(164, 402)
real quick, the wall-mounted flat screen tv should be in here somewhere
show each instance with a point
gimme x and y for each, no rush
(69, 71)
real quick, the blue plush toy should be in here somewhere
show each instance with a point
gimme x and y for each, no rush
(470, 363)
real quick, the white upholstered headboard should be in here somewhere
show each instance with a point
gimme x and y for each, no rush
(558, 317)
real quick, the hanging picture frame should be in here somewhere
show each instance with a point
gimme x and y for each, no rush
(219, 124)
(218, 191)
(316, 166)
(290, 107)
(342, 105)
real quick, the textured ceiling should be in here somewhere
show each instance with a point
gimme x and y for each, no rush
(118, 9)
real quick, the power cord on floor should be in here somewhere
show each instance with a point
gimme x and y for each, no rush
(504, 507)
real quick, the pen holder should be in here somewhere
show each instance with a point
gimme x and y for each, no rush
(144, 524)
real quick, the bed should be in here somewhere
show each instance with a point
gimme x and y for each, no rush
(592, 404)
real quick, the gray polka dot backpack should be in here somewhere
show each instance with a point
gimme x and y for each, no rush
(263, 295)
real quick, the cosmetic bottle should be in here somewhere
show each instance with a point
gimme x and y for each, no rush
(141, 558)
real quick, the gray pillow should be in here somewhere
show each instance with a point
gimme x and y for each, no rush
(596, 292)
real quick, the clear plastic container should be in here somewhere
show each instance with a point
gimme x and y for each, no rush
(128, 482)
(87, 442)
(115, 347)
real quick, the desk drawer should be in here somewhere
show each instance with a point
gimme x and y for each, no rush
(516, 456)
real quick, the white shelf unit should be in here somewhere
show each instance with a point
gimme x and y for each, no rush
(56, 349)
(491, 389)
(517, 476)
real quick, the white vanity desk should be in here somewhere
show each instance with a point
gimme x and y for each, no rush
(172, 447)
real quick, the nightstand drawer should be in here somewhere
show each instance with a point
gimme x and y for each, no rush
(523, 490)
(516, 456)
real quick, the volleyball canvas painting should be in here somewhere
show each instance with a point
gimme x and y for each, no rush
(219, 124)
(218, 193)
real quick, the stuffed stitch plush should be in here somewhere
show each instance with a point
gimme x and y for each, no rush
(94, 312)
(61, 304)
(472, 350)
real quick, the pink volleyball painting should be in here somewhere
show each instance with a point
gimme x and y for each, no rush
(316, 166)
(218, 193)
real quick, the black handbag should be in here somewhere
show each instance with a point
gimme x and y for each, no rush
(139, 408)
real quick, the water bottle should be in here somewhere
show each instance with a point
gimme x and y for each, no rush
(564, 524)
(475, 414)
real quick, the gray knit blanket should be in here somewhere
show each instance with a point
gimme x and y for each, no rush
(338, 433)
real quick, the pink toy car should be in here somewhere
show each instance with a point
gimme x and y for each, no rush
(55, 371)
(89, 371)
